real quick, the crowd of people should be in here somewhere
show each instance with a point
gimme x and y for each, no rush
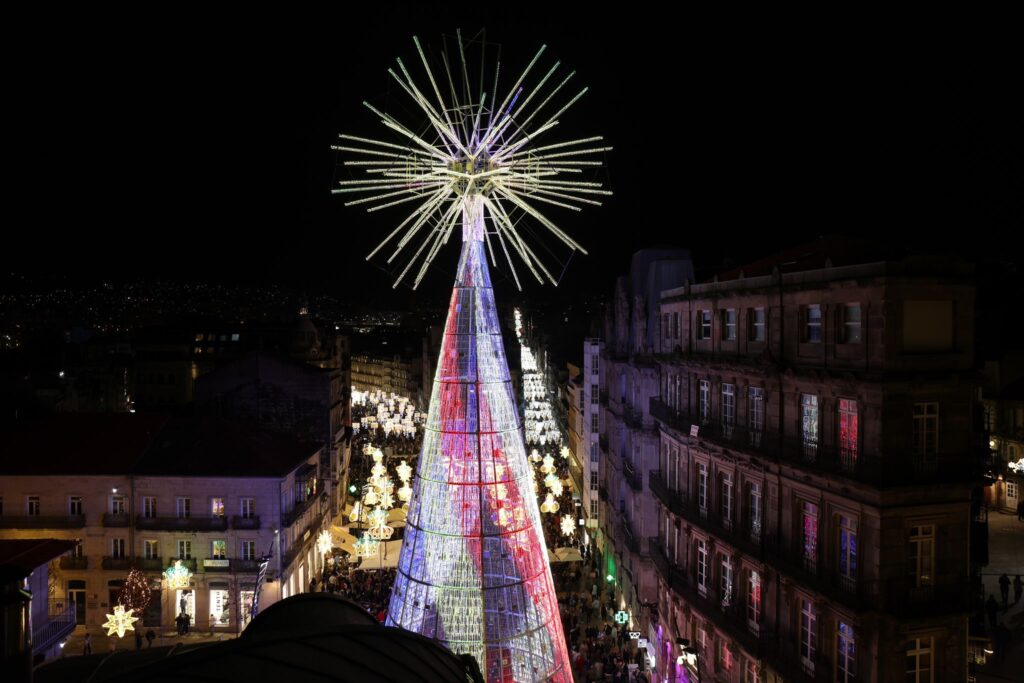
(370, 589)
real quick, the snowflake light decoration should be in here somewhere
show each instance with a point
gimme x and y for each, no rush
(568, 525)
(324, 542)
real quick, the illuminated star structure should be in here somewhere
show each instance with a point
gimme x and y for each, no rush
(473, 570)
(120, 621)
(177, 576)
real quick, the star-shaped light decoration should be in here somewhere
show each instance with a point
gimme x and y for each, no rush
(120, 621)
(177, 576)
(324, 542)
(568, 525)
(404, 471)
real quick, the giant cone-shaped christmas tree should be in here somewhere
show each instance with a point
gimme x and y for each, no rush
(473, 571)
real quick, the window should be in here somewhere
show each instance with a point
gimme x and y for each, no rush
(702, 567)
(726, 585)
(1011, 491)
(755, 398)
(249, 550)
(702, 487)
(217, 507)
(847, 434)
(850, 330)
(595, 395)
(77, 550)
(666, 330)
(236, 336)
(184, 549)
(149, 506)
(151, 549)
(751, 672)
(757, 324)
(724, 655)
(808, 635)
(703, 324)
(755, 511)
(920, 668)
(705, 401)
(922, 554)
(117, 505)
(75, 506)
(594, 452)
(593, 480)
(809, 524)
(753, 599)
(184, 507)
(32, 506)
(675, 325)
(728, 409)
(846, 654)
(593, 509)
(219, 549)
(925, 438)
(729, 324)
(809, 424)
(117, 548)
(727, 500)
(812, 324)
(847, 548)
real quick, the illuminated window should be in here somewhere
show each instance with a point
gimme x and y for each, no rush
(753, 599)
(809, 524)
(249, 550)
(724, 655)
(728, 409)
(920, 660)
(184, 549)
(808, 635)
(702, 567)
(200, 336)
(217, 507)
(235, 337)
(219, 549)
(702, 487)
(756, 317)
(809, 424)
(851, 324)
(846, 654)
(729, 324)
(755, 399)
(754, 510)
(922, 554)
(727, 500)
(751, 672)
(703, 324)
(118, 505)
(705, 401)
(812, 323)
(847, 434)
(847, 548)
(726, 581)
(219, 609)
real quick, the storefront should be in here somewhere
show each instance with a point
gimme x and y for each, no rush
(185, 601)
(220, 604)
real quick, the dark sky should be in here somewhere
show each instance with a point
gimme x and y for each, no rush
(197, 147)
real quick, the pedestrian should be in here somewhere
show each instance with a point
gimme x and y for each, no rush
(1018, 589)
(87, 647)
(1020, 511)
(138, 639)
(992, 609)
(1002, 640)
(1004, 588)
(150, 637)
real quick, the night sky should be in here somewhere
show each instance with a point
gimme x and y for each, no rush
(198, 147)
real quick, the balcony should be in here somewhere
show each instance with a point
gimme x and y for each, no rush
(672, 500)
(788, 559)
(238, 522)
(118, 563)
(289, 518)
(116, 519)
(873, 469)
(74, 563)
(150, 564)
(216, 564)
(632, 541)
(42, 522)
(245, 566)
(632, 418)
(212, 523)
(632, 476)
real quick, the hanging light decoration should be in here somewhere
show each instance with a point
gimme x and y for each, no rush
(357, 511)
(366, 546)
(324, 542)
(177, 576)
(404, 471)
(550, 505)
(120, 621)
(568, 525)
(557, 488)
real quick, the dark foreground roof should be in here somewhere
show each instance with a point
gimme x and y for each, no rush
(307, 637)
(20, 557)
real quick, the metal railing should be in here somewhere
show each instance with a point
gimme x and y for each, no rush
(59, 624)
(42, 521)
(239, 522)
(211, 523)
(69, 562)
